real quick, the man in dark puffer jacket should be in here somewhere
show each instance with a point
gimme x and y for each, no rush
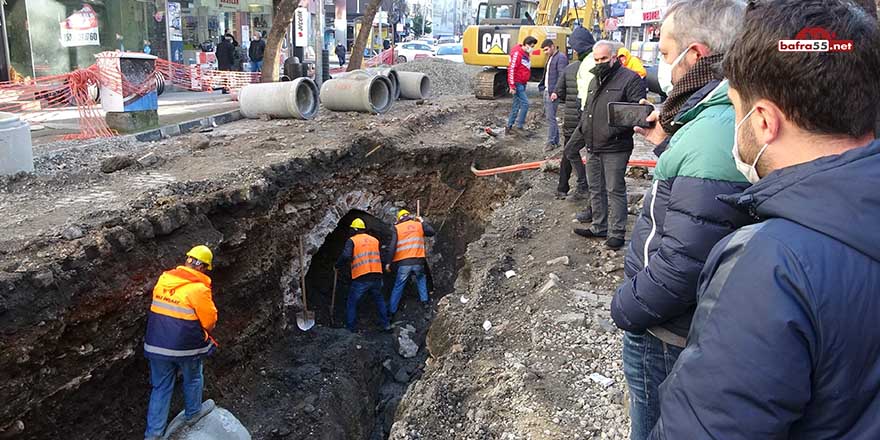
(575, 92)
(566, 90)
(785, 342)
(681, 218)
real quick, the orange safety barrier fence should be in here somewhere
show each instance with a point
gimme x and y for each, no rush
(75, 95)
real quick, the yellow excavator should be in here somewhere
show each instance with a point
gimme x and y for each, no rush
(502, 24)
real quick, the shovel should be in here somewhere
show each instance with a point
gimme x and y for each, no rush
(305, 319)
(333, 297)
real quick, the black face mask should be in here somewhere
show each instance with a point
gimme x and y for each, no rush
(602, 69)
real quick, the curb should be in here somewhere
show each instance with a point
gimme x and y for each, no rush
(188, 126)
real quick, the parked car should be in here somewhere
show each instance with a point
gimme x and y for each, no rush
(451, 52)
(413, 50)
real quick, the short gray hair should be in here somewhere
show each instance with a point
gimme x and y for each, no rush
(611, 46)
(714, 23)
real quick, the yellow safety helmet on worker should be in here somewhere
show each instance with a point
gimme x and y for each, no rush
(402, 213)
(358, 224)
(203, 254)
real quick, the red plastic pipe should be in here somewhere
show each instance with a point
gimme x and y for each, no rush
(535, 165)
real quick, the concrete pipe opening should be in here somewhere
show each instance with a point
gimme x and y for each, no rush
(358, 91)
(414, 85)
(305, 98)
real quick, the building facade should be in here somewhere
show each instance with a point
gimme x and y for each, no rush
(50, 37)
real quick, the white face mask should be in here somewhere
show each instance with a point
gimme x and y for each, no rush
(749, 171)
(664, 71)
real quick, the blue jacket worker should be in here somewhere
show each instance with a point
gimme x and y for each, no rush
(361, 254)
(409, 255)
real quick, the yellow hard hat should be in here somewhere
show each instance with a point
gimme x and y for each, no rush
(203, 254)
(402, 213)
(358, 224)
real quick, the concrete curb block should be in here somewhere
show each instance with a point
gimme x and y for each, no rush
(188, 126)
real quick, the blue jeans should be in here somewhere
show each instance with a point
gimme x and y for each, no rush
(162, 376)
(646, 363)
(256, 66)
(520, 107)
(358, 289)
(403, 272)
(552, 124)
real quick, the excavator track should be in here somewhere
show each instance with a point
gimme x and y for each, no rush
(491, 84)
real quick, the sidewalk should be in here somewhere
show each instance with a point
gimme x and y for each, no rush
(174, 107)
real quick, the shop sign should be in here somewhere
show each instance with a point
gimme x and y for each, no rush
(81, 28)
(618, 9)
(229, 5)
(632, 18)
(301, 26)
(652, 15)
(175, 30)
(611, 24)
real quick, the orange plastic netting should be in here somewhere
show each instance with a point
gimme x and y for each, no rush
(75, 96)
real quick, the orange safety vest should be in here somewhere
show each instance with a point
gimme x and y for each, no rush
(410, 241)
(366, 256)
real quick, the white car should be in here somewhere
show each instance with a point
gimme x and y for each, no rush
(451, 52)
(413, 51)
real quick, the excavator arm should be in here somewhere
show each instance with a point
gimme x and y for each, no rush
(547, 11)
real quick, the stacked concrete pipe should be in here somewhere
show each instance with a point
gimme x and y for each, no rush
(358, 91)
(414, 85)
(296, 99)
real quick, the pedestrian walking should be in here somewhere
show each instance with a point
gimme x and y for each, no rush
(182, 314)
(784, 339)
(409, 256)
(609, 147)
(224, 53)
(681, 217)
(581, 41)
(256, 51)
(519, 71)
(556, 63)
(340, 53)
(361, 255)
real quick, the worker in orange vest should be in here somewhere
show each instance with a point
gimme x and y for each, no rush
(361, 253)
(181, 315)
(409, 254)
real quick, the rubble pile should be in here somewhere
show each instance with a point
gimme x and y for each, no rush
(447, 77)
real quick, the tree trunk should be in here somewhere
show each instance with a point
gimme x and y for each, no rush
(280, 23)
(360, 41)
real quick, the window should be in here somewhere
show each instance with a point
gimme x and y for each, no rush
(449, 50)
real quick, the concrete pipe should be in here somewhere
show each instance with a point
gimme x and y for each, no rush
(296, 99)
(392, 76)
(414, 85)
(357, 91)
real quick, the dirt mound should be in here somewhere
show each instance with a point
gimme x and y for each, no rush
(447, 77)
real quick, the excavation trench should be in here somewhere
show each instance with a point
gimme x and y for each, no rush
(71, 364)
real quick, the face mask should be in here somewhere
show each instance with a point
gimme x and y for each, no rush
(664, 72)
(747, 170)
(602, 69)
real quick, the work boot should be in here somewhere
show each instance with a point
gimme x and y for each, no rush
(560, 195)
(388, 328)
(207, 407)
(550, 147)
(588, 233)
(614, 243)
(585, 216)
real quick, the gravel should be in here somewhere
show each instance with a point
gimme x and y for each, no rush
(447, 77)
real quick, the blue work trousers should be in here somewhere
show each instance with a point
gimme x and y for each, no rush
(162, 376)
(358, 289)
(403, 273)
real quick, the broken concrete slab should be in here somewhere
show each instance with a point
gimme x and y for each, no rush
(403, 341)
